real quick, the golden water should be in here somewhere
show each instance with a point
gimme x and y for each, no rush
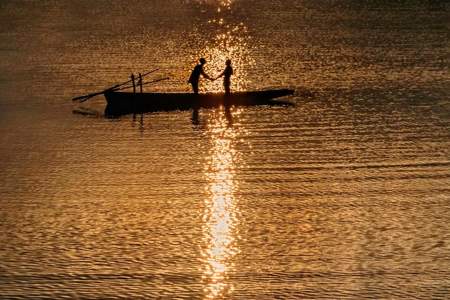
(344, 196)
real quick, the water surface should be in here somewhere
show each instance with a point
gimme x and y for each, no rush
(346, 195)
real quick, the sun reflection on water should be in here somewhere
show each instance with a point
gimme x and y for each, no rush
(230, 40)
(220, 219)
(220, 4)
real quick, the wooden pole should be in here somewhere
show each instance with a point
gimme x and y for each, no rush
(134, 83)
(113, 88)
(140, 89)
(132, 98)
(150, 82)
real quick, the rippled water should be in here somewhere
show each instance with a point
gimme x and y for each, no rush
(345, 195)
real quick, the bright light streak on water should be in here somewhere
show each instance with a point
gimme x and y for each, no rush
(231, 41)
(220, 218)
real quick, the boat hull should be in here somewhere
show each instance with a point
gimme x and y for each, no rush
(122, 103)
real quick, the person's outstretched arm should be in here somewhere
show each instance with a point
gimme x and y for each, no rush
(221, 74)
(206, 75)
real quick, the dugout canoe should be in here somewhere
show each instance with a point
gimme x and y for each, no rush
(122, 103)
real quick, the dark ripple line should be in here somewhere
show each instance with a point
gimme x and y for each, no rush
(353, 167)
(299, 275)
(350, 179)
(352, 204)
(404, 192)
(191, 278)
(175, 278)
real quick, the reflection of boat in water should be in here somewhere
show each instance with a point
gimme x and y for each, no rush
(122, 103)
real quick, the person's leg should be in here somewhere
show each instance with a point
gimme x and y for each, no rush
(227, 88)
(195, 87)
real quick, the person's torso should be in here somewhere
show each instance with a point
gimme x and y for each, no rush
(228, 72)
(195, 75)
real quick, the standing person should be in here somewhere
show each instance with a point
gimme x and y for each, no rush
(227, 76)
(195, 75)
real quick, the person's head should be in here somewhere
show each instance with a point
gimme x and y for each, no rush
(228, 62)
(202, 61)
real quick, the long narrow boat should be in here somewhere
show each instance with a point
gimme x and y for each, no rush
(122, 103)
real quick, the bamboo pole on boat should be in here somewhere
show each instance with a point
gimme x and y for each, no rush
(115, 87)
(133, 98)
(150, 82)
(141, 123)
(134, 83)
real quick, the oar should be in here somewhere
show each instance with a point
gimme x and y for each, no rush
(88, 96)
(130, 86)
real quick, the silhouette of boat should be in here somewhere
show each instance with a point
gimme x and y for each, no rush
(122, 103)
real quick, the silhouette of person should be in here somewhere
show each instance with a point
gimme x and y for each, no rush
(195, 75)
(227, 76)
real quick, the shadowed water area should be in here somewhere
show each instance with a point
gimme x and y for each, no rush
(346, 195)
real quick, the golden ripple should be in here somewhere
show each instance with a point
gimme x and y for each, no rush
(220, 4)
(220, 218)
(231, 41)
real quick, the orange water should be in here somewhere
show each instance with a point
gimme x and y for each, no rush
(344, 196)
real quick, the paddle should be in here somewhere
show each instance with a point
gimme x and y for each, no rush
(89, 96)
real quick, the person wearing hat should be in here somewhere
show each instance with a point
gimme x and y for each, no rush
(227, 76)
(195, 75)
